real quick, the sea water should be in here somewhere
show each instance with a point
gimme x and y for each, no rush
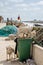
(32, 24)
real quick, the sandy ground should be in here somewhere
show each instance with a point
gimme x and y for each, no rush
(3, 45)
(12, 63)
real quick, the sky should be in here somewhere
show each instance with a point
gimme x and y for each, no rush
(27, 9)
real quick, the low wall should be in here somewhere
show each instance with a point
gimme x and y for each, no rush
(2, 25)
(38, 54)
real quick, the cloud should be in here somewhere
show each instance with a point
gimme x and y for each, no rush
(11, 8)
(16, 1)
(21, 5)
(27, 7)
(6, 3)
(40, 3)
(37, 3)
(1, 4)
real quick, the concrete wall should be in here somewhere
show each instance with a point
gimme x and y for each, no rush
(38, 54)
(2, 25)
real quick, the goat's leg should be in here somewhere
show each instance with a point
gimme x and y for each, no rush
(7, 57)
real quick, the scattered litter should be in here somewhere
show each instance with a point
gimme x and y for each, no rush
(30, 62)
